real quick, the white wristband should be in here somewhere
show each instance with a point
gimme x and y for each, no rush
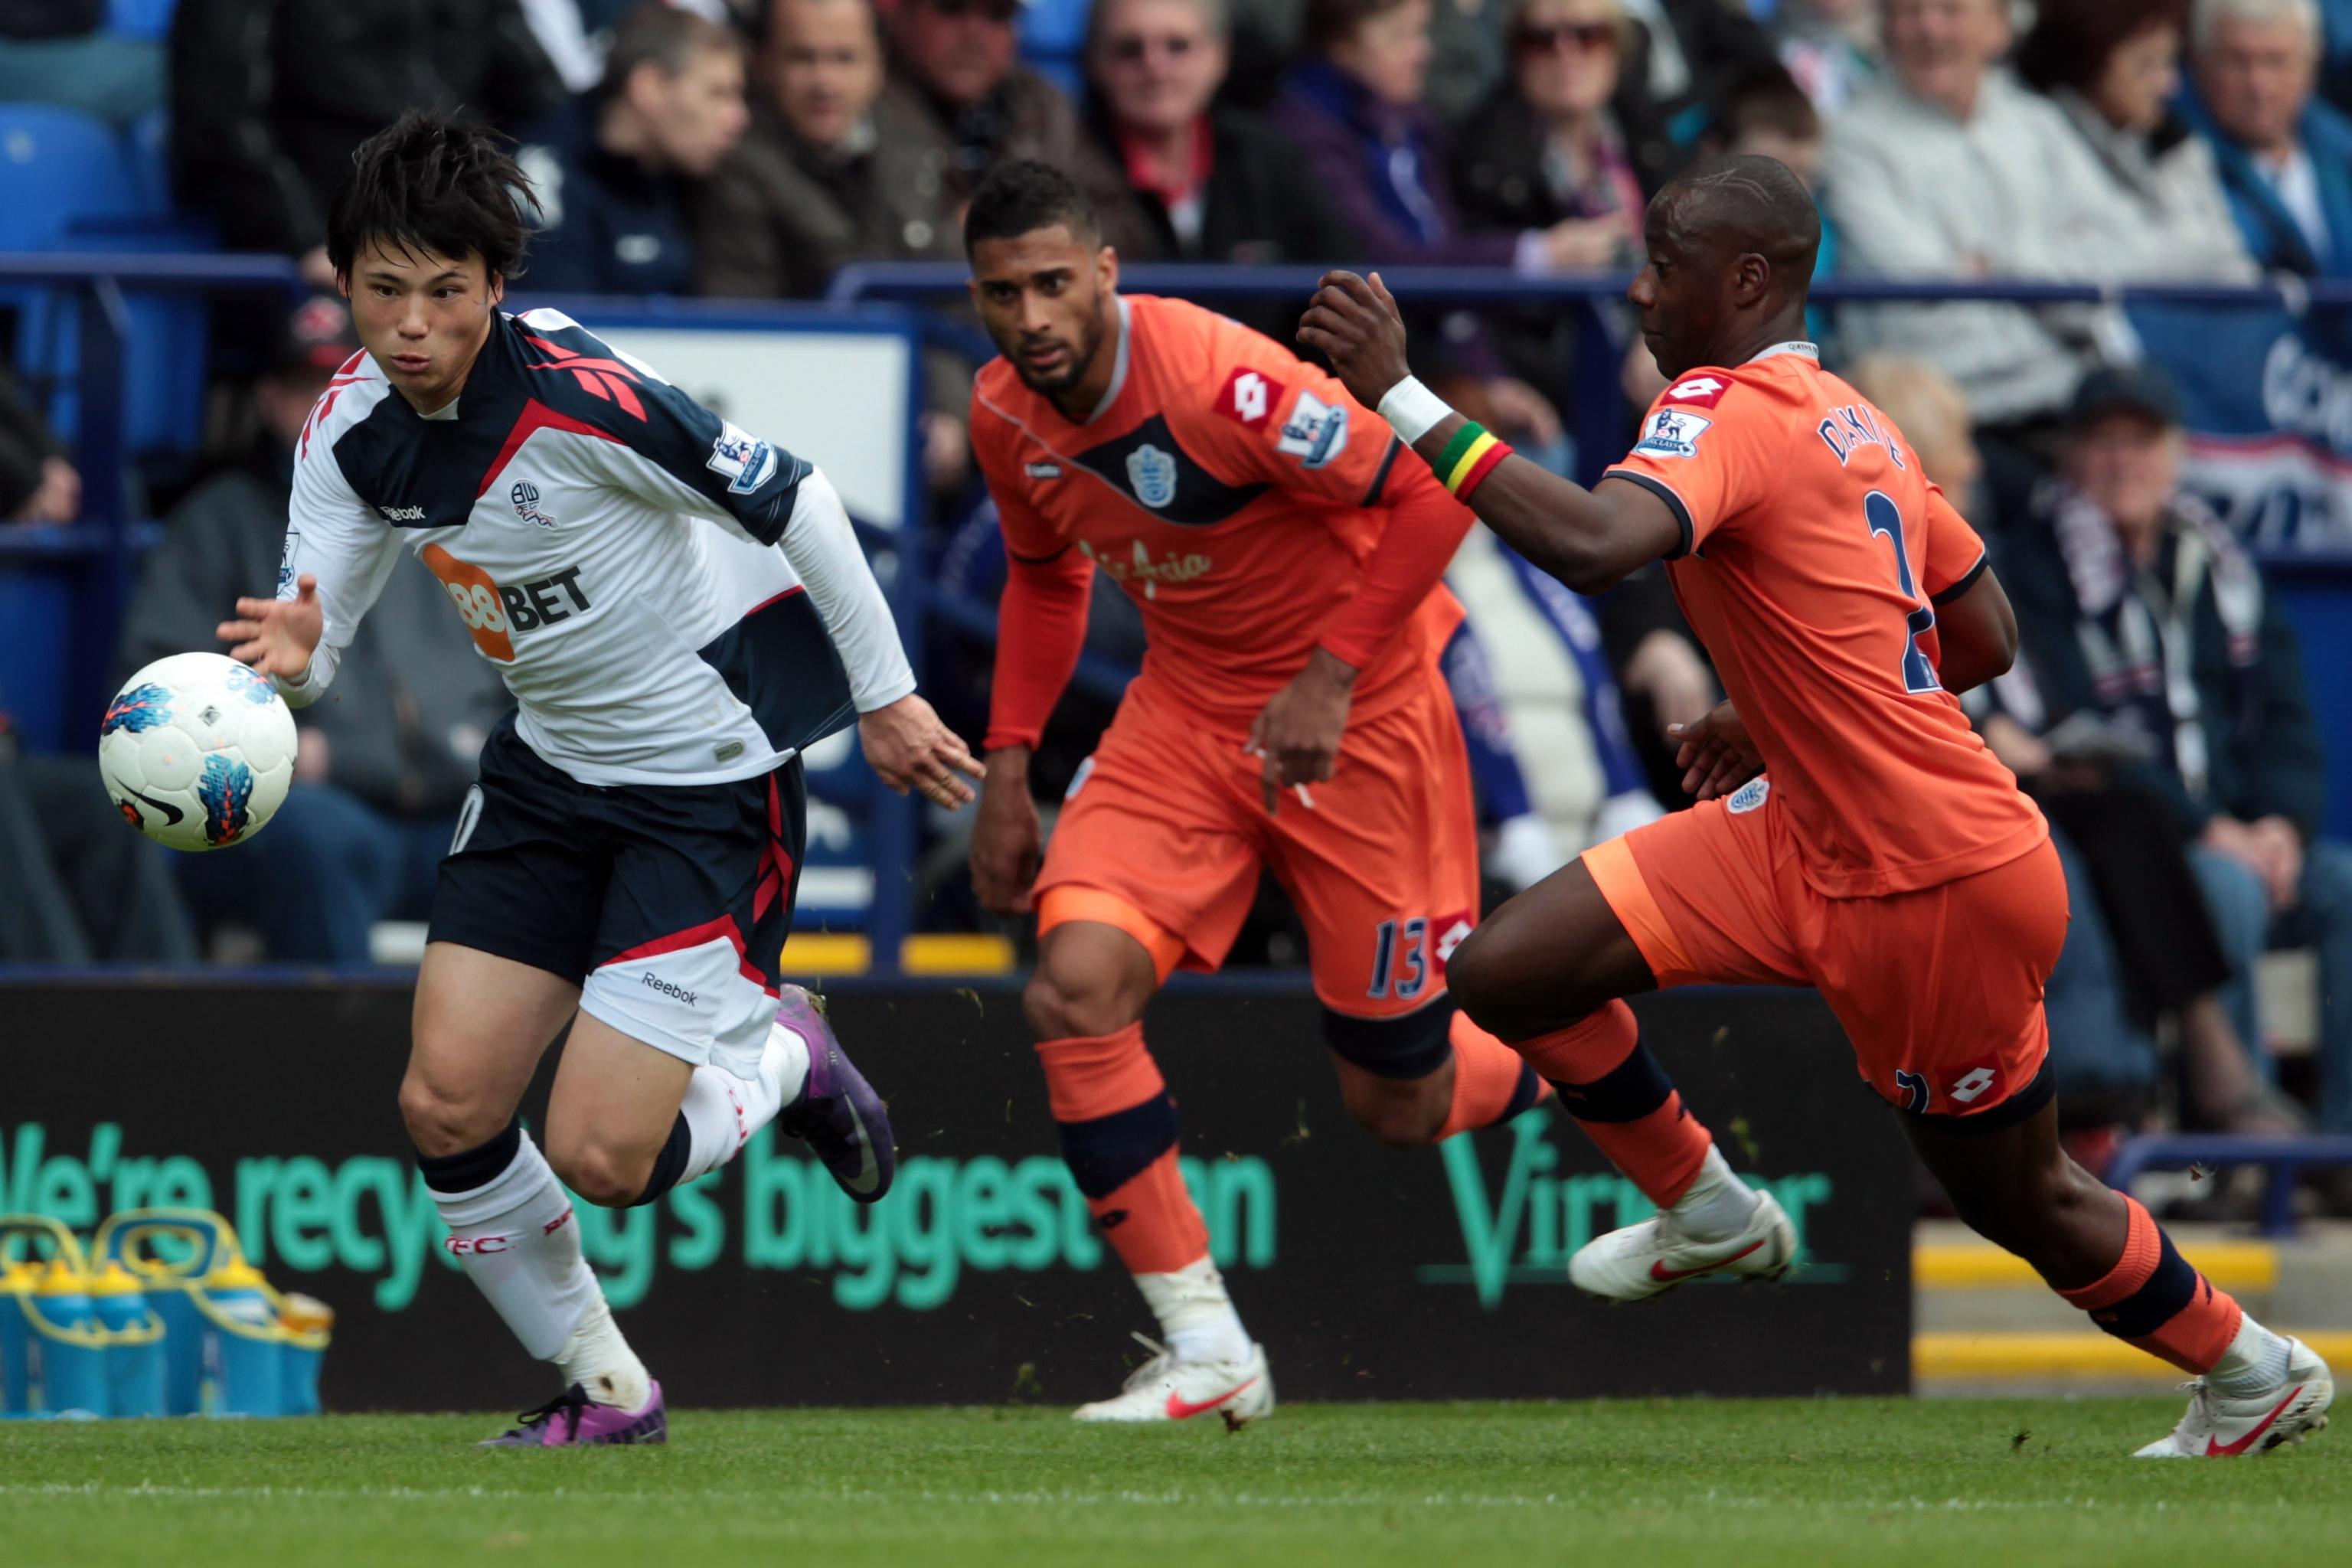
(1412, 410)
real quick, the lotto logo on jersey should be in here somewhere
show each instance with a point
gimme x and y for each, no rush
(1315, 433)
(745, 460)
(1705, 391)
(1672, 432)
(1250, 399)
(494, 614)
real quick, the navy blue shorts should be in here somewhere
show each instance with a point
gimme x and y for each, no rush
(667, 903)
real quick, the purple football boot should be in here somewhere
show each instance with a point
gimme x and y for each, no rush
(838, 1115)
(571, 1419)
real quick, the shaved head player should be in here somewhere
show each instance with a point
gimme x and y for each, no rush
(1882, 855)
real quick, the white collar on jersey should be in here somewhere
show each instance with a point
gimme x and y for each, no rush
(1118, 366)
(1804, 350)
(446, 411)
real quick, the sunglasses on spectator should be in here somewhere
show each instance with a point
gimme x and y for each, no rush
(1131, 51)
(1583, 37)
(994, 10)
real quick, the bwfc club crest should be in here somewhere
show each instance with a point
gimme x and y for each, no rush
(1151, 473)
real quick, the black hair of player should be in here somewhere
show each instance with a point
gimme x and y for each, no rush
(1025, 196)
(427, 183)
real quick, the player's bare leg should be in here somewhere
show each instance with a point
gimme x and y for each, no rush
(1549, 973)
(2015, 1187)
(1085, 1003)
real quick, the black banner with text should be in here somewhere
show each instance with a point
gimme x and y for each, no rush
(1366, 1272)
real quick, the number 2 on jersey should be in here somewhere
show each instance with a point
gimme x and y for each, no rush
(1886, 518)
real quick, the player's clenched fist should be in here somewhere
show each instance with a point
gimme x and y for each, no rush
(276, 636)
(1354, 323)
(909, 748)
(1006, 842)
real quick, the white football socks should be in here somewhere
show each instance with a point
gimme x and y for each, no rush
(2255, 1364)
(519, 1243)
(600, 1361)
(1718, 1205)
(1197, 1319)
(722, 1111)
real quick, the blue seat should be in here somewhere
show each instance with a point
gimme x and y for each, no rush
(60, 167)
(140, 19)
(1053, 42)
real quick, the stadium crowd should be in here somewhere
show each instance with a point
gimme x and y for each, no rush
(749, 149)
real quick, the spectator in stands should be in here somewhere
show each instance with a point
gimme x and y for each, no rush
(270, 96)
(1947, 167)
(1353, 113)
(75, 885)
(37, 482)
(953, 72)
(62, 52)
(831, 172)
(385, 760)
(2140, 609)
(1764, 114)
(1830, 47)
(2114, 71)
(611, 170)
(1213, 183)
(1550, 153)
(2286, 157)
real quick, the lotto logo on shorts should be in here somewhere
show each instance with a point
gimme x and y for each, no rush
(1250, 399)
(1974, 1084)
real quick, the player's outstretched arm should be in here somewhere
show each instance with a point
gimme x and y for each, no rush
(1589, 540)
(276, 636)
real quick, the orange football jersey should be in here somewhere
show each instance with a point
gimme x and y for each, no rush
(1235, 491)
(1814, 555)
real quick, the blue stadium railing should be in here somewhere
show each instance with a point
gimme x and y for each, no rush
(100, 552)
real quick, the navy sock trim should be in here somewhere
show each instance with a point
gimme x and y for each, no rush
(2167, 1294)
(1626, 1092)
(670, 1164)
(1106, 1153)
(1524, 1094)
(1413, 1045)
(471, 1168)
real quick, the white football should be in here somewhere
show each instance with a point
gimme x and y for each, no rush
(197, 751)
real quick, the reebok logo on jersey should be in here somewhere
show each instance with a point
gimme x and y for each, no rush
(1315, 433)
(1705, 391)
(1249, 399)
(1672, 432)
(746, 462)
(402, 513)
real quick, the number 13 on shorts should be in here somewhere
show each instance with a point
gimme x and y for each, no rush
(1409, 952)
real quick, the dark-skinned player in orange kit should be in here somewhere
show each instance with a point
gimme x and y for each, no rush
(1287, 559)
(1883, 855)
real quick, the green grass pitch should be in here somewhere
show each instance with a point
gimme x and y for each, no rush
(1989, 1484)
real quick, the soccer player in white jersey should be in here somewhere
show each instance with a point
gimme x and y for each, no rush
(679, 609)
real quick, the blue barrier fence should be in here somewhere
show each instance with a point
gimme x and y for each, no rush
(98, 556)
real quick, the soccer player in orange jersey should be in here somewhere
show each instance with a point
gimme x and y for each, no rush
(1287, 557)
(1884, 855)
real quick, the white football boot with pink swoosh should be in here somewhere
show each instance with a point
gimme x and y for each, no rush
(1166, 1389)
(1645, 1259)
